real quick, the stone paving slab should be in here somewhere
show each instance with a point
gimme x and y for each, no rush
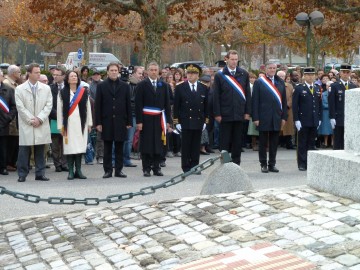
(315, 227)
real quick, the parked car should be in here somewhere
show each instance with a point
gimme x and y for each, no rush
(183, 64)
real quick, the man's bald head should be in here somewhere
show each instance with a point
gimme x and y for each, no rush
(281, 74)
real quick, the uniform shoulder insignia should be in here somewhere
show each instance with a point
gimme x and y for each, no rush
(180, 82)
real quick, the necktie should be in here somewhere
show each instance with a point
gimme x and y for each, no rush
(154, 84)
(311, 90)
(346, 86)
(193, 88)
(233, 72)
(33, 89)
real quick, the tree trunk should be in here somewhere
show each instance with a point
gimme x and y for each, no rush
(153, 44)
(207, 50)
(85, 48)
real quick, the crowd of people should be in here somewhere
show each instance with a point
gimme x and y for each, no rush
(166, 113)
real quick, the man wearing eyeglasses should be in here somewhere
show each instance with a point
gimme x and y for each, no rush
(57, 150)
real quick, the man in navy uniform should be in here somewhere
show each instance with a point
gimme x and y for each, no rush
(269, 114)
(190, 115)
(307, 111)
(337, 104)
(232, 104)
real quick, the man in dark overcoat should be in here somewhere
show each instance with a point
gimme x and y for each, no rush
(337, 104)
(113, 118)
(232, 104)
(7, 114)
(191, 115)
(269, 114)
(307, 110)
(153, 118)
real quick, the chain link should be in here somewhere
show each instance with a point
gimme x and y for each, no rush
(116, 197)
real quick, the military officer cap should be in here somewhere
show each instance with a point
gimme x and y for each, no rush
(193, 68)
(309, 70)
(345, 66)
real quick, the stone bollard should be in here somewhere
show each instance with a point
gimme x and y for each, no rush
(226, 178)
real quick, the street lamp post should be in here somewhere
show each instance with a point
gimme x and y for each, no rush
(303, 19)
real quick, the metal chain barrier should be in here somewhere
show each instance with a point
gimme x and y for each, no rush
(224, 157)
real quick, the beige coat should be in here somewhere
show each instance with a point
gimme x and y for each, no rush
(77, 140)
(288, 128)
(29, 107)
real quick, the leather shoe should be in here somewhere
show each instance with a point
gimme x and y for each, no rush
(22, 179)
(4, 172)
(264, 169)
(10, 168)
(301, 168)
(210, 151)
(204, 153)
(58, 169)
(273, 169)
(130, 165)
(147, 174)
(162, 164)
(42, 178)
(107, 175)
(64, 169)
(120, 174)
(158, 173)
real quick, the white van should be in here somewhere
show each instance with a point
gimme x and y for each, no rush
(96, 60)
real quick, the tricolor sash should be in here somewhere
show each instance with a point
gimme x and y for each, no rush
(76, 99)
(272, 89)
(3, 105)
(157, 111)
(72, 106)
(234, 84)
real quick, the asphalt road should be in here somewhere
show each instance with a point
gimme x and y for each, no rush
(96, 186)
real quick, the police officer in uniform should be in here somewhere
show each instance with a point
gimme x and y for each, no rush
(337, 104)
(306, 105)
(191, 115)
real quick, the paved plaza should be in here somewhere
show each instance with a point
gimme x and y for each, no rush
(287, 226)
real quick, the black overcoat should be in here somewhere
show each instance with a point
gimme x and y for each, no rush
(227, 101)
(336, 100)
(266, 108)
(191, 109)
(306, 106)
(113, 109)
(8, 94)
(147, 96)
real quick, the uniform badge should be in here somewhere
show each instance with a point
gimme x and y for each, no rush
(304, 92)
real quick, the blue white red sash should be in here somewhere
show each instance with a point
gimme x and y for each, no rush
(272, 89)
(234, 84)
(76, 99)
(157, 111)
(3, 105)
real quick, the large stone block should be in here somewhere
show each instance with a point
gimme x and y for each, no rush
(352, 121)
(335, 172)
(226, 178)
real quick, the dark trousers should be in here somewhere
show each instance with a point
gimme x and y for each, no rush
(99, 146)
(3, 150)
(176, 139)
(107, 165)
(231, 139)
(190, 150)
(24, 159)
(12, 150)
(339, 138)
(150, 162)
(265, 137)
(306, 140)
(57, 150)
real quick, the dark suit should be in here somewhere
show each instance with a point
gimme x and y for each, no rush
(113, 112)
(231, 107)
(7, 94)
(307, 109)
(190, 111)
(57, 148)
(266, 110)
(336, 100)
(151, 144)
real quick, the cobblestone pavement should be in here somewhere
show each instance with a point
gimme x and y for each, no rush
(319, 228)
